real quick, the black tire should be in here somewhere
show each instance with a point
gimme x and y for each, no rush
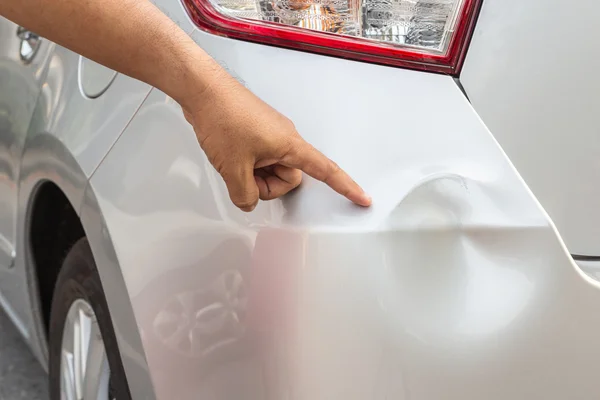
(79, 279)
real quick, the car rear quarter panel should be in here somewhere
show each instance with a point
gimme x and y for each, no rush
(454, 282)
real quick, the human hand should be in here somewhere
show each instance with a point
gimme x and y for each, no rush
(257, 150)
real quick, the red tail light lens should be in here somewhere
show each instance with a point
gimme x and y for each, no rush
(422, 34)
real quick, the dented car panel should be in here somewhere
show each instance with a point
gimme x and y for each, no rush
(455, 284)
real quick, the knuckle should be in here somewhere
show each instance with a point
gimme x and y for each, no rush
(288, 124)
(241, 192)
(217, 160)
(332, 170)
(292, 148)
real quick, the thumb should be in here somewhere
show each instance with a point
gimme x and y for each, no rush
(242, 187)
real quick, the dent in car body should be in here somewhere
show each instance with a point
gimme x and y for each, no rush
(453, 283)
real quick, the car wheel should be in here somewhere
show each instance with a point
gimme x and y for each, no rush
(84, 358)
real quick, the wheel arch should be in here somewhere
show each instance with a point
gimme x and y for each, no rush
(49, 172)
(50, 179)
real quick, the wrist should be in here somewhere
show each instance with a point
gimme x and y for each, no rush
(200, 73)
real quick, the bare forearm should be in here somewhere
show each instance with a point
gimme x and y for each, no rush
(257, 151)
(150, 46)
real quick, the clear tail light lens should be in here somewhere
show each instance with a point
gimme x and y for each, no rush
(422, 34)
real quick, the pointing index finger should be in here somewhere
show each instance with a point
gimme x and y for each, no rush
(316, 164)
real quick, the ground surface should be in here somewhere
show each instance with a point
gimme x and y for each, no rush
(21, 377)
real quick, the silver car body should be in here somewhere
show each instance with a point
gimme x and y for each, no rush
(455, 284)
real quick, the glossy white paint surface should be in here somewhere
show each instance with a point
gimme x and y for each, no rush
(453, 285)
(531, 75)
(87, 127)
(174, 10)
(590, 267)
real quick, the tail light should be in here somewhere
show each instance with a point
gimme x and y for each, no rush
(422, 34)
